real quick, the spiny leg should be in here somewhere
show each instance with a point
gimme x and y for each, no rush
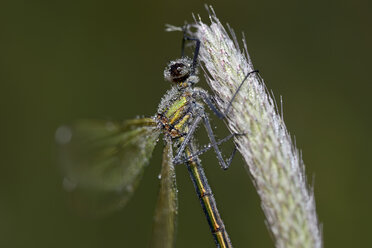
(198, 93)
(187, 138)
(205, 149)
(236, 92)
(196, 51)
(208, 100)
(224, 164)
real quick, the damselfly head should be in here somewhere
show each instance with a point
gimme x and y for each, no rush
(179, 70)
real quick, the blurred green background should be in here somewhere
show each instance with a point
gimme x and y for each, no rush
(64, 60)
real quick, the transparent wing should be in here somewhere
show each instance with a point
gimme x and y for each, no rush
(102, 161)
(164, 226)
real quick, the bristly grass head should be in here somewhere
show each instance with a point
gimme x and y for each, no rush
(272, 159)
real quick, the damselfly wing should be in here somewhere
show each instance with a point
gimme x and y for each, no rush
(164, 226)
(103, 161)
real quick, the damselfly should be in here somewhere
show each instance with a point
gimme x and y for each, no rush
(103, 161)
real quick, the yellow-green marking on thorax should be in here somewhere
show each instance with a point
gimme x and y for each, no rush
(175, 109)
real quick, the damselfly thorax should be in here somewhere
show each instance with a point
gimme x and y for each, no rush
(179, 106)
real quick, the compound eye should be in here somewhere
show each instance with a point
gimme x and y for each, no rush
(177, 70)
